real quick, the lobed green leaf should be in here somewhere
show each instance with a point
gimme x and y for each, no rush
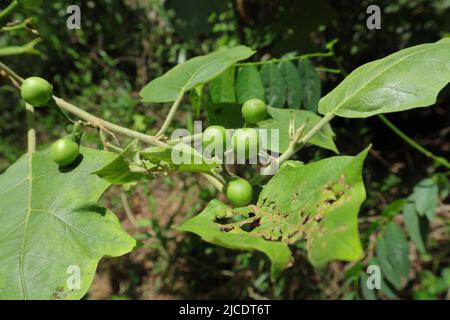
(51, 222)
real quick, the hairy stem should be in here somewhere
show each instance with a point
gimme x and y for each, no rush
(170, 116)
(217, 176)
(93, 120)
(329, 70)
(127, 209)
(339, 64)
(31, 134)
(297, 143)
(103, 124)
(11, 73)
(23, 25)
(186, 139)
(413, 143)
(216, 183)
(216, 179)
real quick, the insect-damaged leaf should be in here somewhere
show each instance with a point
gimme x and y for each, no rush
(205, 225)
(318, 202)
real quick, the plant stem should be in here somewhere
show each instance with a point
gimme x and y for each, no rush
(11, 73)
(294, 146)
(298, 143)
(127, 209)
(216, 183)
(329, 70)
(31, 134)
(100, 123)
(213, 177)
(413, 143)
(185, 139)
(16, 27)
(8, 9)
(339, 64)
(113, 147)
(95, 121)
(170, 116)
(304, 56)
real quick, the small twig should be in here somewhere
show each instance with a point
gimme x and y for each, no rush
(339, 64)
(31, 130)
(329, 70)
(217, 176)
(297, 143)
(216, 179)
(413, 143)
(103, 139)
(107, 126)
(8, 9)
(301, 57)
(116, 140)
(216, 183)
(113, 147)
(93, 120)
(228, 171)
(170, 116)
(191, 138)
(128, 212)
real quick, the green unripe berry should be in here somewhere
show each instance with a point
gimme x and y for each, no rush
(36, 91)
(239, 192)
(254, 110)
(213, 134)
(64, 152)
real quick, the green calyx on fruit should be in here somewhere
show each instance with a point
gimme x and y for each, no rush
(239, 192)
(36, 91)
(214, 134)
(254, 110)
(245, 142)
(64, 152)
(31, 4)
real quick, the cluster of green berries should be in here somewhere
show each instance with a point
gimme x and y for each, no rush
(38, 92)
(240, 192)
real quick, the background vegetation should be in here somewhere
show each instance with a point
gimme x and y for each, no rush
(123, 44)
